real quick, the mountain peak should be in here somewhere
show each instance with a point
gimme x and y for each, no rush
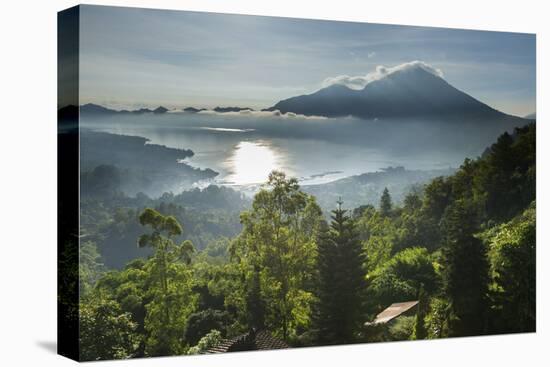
(413, 90)
(381, 72)
(414, 67)
(160, 109)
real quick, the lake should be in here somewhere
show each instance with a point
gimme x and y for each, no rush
(245, 147)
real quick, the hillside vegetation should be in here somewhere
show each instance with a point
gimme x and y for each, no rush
(463, 245)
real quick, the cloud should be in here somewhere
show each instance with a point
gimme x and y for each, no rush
(360, 81)
(370, 55)
(276, 113)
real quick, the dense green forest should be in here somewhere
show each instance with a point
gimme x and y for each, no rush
(109, 218)
(193, 268)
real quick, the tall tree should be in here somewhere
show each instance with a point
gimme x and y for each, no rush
(164, 313)
(164, 228)
(385, 202)
(513, 265)
(90, 267)
(465, 271)
(327, 306)
(421, 311)
(254, 302)
(276, 252)
(341, 280)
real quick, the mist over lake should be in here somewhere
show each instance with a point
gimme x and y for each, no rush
(244, 147)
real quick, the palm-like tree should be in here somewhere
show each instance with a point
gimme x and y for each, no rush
(164, 229)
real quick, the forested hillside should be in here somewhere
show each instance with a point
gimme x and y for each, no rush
(133, 165)
(366, 188)
(462, 245)
(109, 219)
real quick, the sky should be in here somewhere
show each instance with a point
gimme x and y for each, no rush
(132, 58)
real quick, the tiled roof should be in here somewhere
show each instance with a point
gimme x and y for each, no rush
(390, 313)
(253, 340)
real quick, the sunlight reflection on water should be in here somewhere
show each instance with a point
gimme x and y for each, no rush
(251, 162)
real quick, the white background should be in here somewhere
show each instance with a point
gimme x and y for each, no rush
(28, 182)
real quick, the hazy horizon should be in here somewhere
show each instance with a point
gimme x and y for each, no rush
(132, 58)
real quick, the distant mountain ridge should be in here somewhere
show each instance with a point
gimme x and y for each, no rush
(98, 110)
(193, 109)
(411, 92)
(231, 109)
(92, 109)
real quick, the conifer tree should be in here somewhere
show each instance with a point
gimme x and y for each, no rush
(327, 305)
(385, 202)
(465, 271)
(341, 277)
